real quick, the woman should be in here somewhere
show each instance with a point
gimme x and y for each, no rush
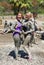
(17, 33)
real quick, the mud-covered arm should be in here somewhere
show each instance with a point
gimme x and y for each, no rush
(32, 29)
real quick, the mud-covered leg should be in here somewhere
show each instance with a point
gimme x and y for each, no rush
(26, 41)
(17, 44)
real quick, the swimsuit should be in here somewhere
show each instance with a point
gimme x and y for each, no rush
(18, 28)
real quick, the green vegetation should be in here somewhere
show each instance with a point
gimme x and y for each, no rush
(2, 9)
(24, 6)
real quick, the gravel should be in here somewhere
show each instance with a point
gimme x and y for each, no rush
(5, 59)
(6, 48)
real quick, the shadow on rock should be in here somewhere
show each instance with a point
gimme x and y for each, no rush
(42, 36)
(12, 53)
(21, 53)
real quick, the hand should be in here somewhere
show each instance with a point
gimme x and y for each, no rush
(22, 32)
(40, 29)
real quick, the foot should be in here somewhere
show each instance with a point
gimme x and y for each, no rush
(35, 43)
(18, 57)
(29, 58)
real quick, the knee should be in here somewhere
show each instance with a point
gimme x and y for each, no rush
(16, 37)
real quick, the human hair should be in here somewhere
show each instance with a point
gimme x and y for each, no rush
(21, 15)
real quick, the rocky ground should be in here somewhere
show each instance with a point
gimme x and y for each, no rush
(7, 52)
